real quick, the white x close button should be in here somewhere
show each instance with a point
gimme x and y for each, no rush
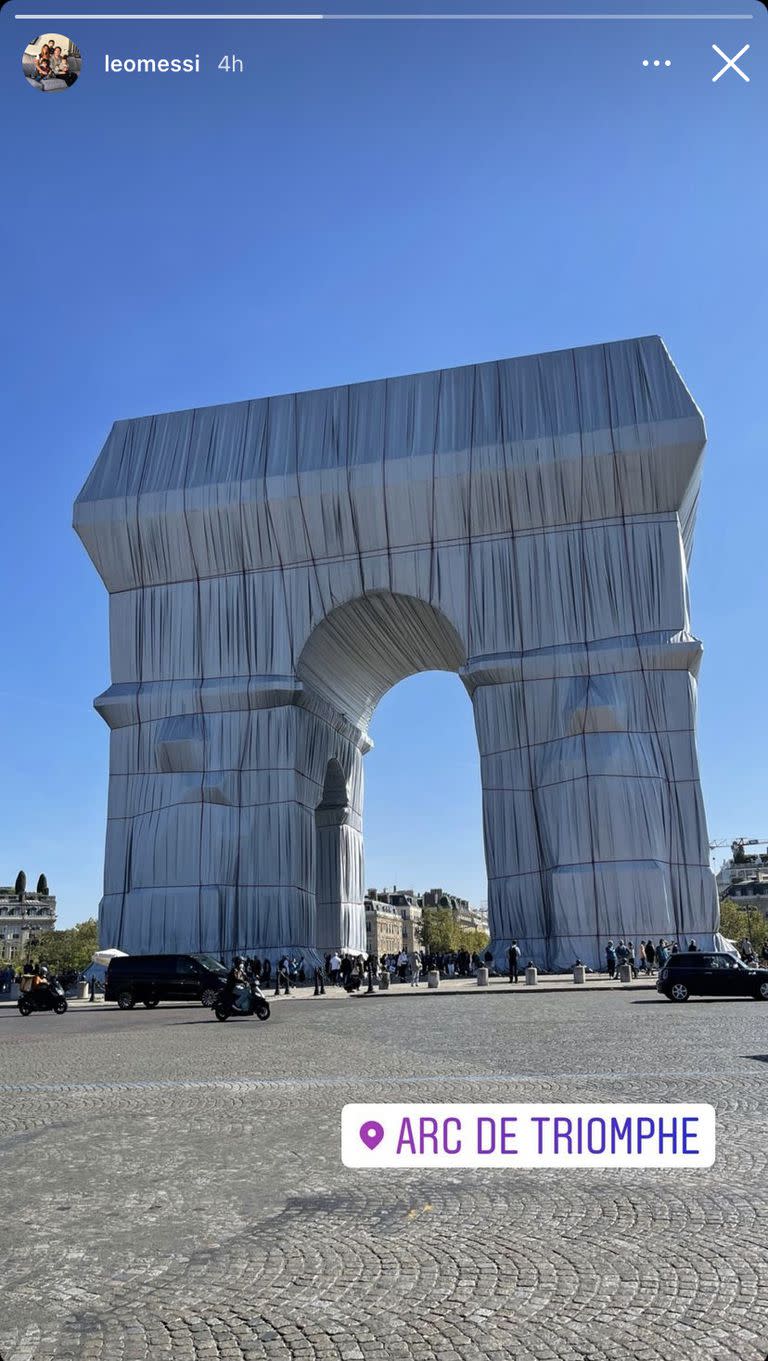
(730, 62)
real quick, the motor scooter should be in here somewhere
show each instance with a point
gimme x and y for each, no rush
(246, 1000)
(47, 997)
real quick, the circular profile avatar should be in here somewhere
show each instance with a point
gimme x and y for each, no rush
(51, 62)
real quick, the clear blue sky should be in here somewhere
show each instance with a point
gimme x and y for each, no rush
(367, 199)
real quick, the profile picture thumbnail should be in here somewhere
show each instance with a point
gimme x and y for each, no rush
(51, 62)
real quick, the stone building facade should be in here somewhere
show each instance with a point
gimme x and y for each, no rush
(407, 904)
(744, 878)
(383, 929)
(24, 918)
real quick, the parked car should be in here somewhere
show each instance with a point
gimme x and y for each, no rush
(164, 978)
(693, 973)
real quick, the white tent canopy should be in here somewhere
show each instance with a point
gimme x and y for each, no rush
(103, 957)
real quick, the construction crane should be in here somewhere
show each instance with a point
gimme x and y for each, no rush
(737, 852)
(739, 843)
(738, 846)
(738, 856)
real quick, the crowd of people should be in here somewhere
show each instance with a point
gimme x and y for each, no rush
(647, 958)
(450, 963)
(650, 959)
(352, 972)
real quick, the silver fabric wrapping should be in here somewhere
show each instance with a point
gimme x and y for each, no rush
(275, 566)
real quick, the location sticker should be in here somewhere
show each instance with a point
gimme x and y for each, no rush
(371, 1133)
(528, 1134)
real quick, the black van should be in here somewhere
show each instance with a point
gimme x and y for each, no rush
(164, 978)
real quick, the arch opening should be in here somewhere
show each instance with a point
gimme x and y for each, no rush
(423, 817)
(364, 647)
(354, 656)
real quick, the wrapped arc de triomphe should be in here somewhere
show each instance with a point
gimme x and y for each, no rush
(274, 566)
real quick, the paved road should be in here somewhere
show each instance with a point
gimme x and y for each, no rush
(184, 1198)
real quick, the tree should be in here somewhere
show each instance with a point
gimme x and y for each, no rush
(475, 941)
(442, 934)
(737, 921)
(42, 886)
(20, 886)
(439, 931)
(72, 949)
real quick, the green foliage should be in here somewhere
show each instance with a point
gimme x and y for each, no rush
(475, 941)
(441, 933)
(20, 886)
(42, 886)
(70, 949)
(738, 921)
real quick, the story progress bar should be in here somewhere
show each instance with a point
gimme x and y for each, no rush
(385, 18)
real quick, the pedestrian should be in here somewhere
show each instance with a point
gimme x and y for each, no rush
(631, 958)
(402, 965)
(415, 969)
(513, 954)
(335, 968)
(354, 973)
(692, 945)
(650, 956)
(640, 957)
(319, 981)
(610, 959)
(283, 976)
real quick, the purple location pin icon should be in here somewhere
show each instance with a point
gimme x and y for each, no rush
(371, 1133)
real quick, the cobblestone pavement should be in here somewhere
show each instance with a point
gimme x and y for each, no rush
(176, 1190)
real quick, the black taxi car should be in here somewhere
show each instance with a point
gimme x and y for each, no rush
(696, 973)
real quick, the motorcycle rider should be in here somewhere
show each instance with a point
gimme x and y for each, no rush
(236, 976)
(44, 993)
(41, 992)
